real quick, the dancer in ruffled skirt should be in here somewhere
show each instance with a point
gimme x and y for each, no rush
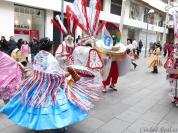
(49, 100)
(10, 77)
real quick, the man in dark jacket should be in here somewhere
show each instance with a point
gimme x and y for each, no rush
(11, 45)
(34, 46)
(3, 44)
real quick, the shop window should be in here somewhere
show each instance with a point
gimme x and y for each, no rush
(29, 23)
(116, 7)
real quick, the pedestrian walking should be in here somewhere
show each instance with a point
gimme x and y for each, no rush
(140, 45)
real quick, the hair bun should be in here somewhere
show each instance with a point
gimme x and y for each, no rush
(45, 44)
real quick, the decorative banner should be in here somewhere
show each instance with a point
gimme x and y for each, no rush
(34, 33)
(108, 42)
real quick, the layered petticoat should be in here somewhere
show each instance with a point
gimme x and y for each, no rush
(10, 76)
(47, 101)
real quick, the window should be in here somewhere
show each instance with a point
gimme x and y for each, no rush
(134, 11)
(161, 20)
(145, 15)
(116, 7)
(29, 23)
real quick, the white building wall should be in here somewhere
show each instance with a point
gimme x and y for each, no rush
(7, 19)
(48, 25)
(124, 35)
(45, 4)
(55, 5)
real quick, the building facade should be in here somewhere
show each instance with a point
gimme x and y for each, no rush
(32, 18)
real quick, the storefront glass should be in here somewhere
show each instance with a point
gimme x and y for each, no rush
(29, 23)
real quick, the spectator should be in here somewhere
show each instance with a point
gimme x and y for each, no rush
(34, 46)
(129, 41)
(140, 45)
(19, 43)
(3, 44)
(25, 49)
(11, 45)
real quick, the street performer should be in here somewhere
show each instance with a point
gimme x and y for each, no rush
(65, 50)
(116, 61)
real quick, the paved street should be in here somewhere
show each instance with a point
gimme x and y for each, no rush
(140, 104)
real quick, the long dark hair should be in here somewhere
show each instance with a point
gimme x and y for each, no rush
(45, 44)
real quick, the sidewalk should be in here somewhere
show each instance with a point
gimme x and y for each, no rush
(141, 105)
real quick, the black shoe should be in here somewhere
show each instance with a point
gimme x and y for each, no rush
(155, 72)
(113, 87)
(135, 65)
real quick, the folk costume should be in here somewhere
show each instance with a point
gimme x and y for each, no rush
(84, 55)
(64, 51)
(10, 77)
(130, 51)
(154, 60)
(171, 66)
(116, 61)
(50, 99)
(22, 61)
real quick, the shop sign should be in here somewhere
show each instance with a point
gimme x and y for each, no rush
(22, 26)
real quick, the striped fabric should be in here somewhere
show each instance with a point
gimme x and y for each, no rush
(41, 87)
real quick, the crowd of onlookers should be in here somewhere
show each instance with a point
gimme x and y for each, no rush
(26, 48)
(32, 47)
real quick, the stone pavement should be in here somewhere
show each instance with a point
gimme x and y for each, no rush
(141, 105)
